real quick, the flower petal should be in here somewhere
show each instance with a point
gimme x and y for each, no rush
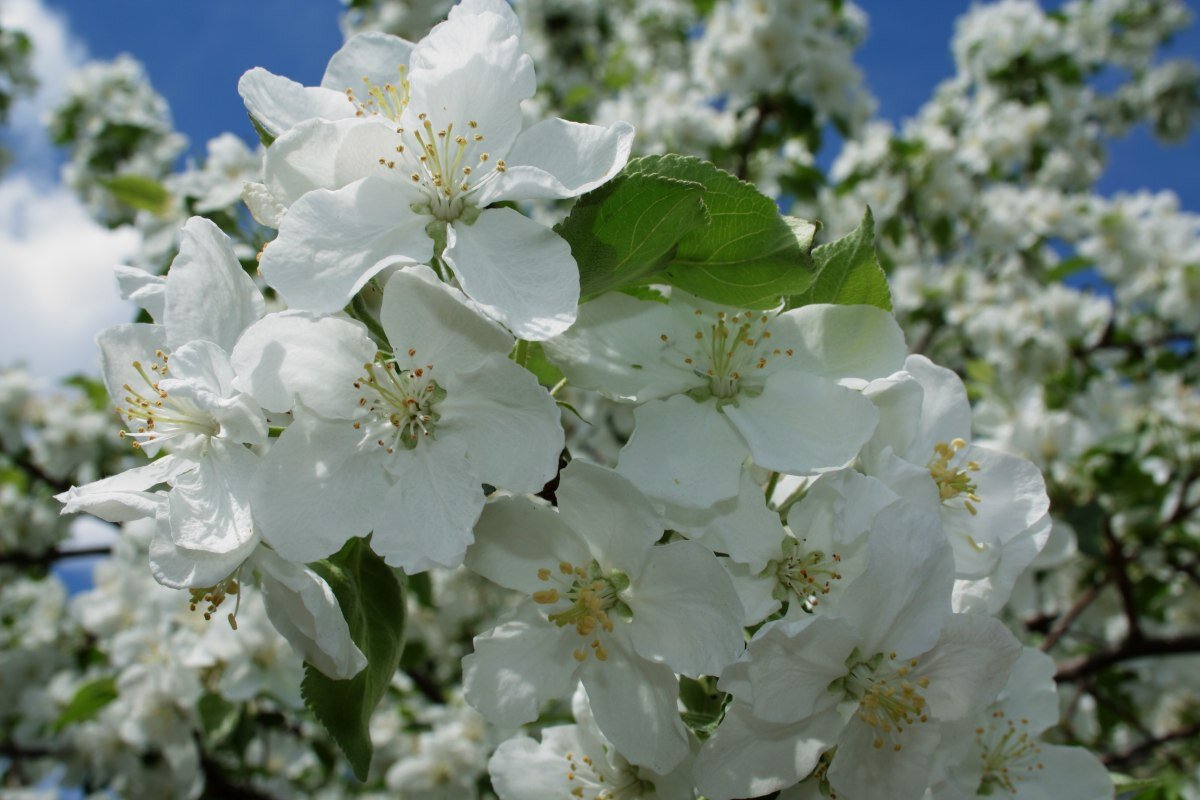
(683, 452)
(315, 490)
(634, 703)
(511, 425)
(332, 242)
(802, 423)
(839, 342)
(517, 666)
(296, 355)
(515, 537)
(372, 55)
(303, 608)
(557, 159)
(210, 505)
(125, 496)
(608, 511)
(324, 154)
(520, 272)
(208, 294)
(427, 518)
(278, 103)
(686, 612)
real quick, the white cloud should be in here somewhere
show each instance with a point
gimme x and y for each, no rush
(56, 284)
(57, 288)
(56, 54)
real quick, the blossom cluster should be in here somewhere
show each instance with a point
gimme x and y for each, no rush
(771, 519)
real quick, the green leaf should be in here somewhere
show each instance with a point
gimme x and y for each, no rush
(372, 600)
(848, 271)
(624, 232)
(704, 704)
(264, 135)
(87, 702)
(144, 194)
(748, 255)
(1066, 268)
(218, 716)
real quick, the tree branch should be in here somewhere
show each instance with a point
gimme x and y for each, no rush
(1127, 651)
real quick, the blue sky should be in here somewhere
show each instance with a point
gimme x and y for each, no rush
(195, 51)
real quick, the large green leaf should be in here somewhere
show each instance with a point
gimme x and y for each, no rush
(848, 271)
(87, 702)
(372, 600)
(748, 255)
(625, 232)
(144, 194)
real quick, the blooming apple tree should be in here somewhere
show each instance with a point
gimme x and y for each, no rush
(479, 451)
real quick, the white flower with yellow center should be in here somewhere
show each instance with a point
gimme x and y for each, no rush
(396, 443)
(998, 753)
(875, 679)
(418, 168)
(605, 606)
(721, 386)
(576, 761)
(993, 505)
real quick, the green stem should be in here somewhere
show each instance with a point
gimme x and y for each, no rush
(521, 356)
(558, 387)
(770, 490)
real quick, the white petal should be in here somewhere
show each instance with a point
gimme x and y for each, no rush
(279, 103)
(615, 347)
(427, 517)
(263, 206)
(517, 666)
(210, 505)
(608, 511)
(122, 345)
(143, 288)
(789, 668)
(208, 294)
(634, 703)
(521, 769)
(968, 667)
(750, 758)
(125, 496)
(861, 770)
(373, 55)
(423, 314)
(520, 272)
(556, 159)
(511, 425)
(302, 607)
(945, 409)
(202, 378)
(683, 452)
(315, 490)
(802, 423)
(296, 355)
(180, 568)
(686, 612)
(742, 527)
(324, 154)
(515, 537)
(332, 242)
(902, 599)
(1066, 773)
(838, 342)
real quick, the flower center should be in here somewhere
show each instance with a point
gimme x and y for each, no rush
(804, 577)
(888, 698)
(401, 405)
(214, 596)
(1008, 752)
(727, 348)
(448, 165)
(153, 415)
(584, 778)
(584, 596)
(954, 481)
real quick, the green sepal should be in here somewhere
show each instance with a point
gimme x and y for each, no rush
(264, 135)
(371, 596)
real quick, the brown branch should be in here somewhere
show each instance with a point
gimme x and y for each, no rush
(51, 556)
(1119, 564)
(1068, 619)
(1127, 651)
(1146, 748)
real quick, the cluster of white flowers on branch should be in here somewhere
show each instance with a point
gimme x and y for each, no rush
(663, 467)
(791, 477)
